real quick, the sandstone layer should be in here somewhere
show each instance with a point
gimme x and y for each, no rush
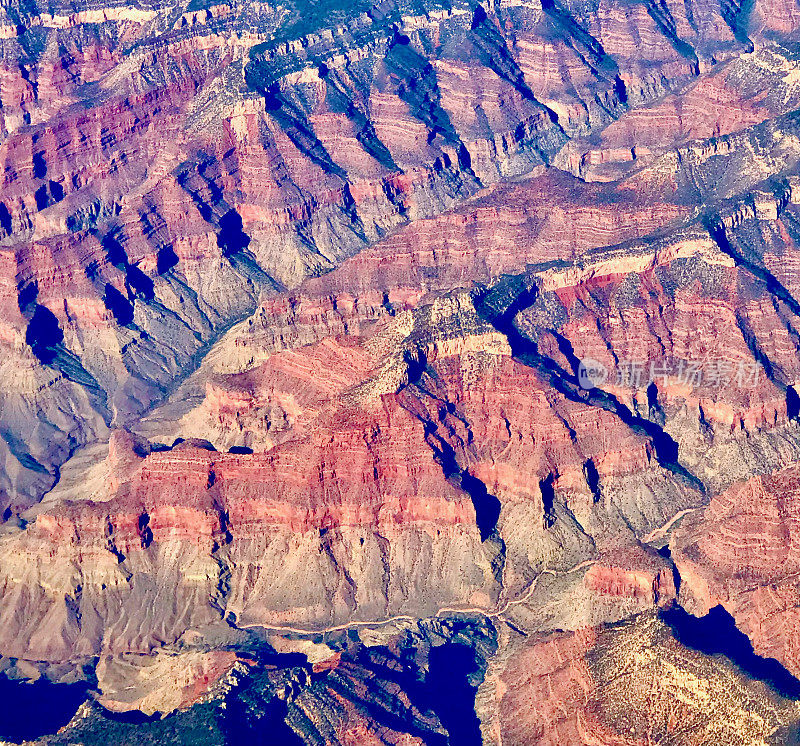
(353, 354)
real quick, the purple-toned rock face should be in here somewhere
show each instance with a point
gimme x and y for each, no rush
(402, 373)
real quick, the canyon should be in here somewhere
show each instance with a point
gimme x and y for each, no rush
(400, 373)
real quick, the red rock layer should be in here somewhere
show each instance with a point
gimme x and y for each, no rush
(628, 686)
(552, 216)
(119, 168)
(743, 92)
(741, 552)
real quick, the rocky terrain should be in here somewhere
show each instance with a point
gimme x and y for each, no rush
(400, 373)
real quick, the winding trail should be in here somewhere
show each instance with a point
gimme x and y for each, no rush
(445, 610)
(659, 533)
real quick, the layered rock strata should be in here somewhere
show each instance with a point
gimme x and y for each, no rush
(298, 310)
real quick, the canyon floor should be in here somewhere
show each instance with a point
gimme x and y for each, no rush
(411, 372)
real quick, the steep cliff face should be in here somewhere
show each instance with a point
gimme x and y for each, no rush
(166, 165)
(353, 353)
(738, 552)
(631, 684)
